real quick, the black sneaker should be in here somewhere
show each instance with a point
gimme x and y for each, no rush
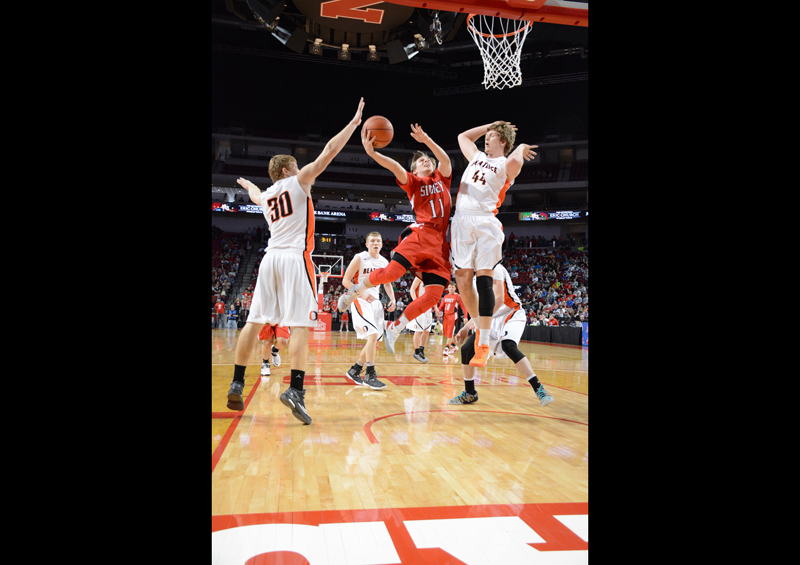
(372, 381)
(465, 398)
(420, 356)
(295, 400)
(353, 374)
(235, 396)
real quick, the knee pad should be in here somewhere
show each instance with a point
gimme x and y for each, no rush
(512, 351)
(485, 296)
(390, 273)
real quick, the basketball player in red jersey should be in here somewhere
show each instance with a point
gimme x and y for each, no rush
(448, 305)
(424, 250)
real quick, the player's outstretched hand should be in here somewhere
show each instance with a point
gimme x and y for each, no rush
(357, 118)
(461, 335)
(418, 134)
(367, 139)
(527, 152)
(246, 184)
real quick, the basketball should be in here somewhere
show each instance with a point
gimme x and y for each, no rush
(381, 128)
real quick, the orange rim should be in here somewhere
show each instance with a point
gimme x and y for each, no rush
(500, 36)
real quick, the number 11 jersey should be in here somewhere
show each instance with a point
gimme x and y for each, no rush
(430, 198)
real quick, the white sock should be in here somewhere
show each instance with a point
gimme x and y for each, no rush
(483, 339)
(401, 323)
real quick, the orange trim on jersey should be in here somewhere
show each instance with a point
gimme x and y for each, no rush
(507, 300)
(502, 195)
(310, 272)
(310, 228)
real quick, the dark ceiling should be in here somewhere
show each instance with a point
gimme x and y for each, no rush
(264, 84)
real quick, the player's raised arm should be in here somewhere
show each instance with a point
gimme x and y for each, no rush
(444, 160)
(386, 162)
(252, 190)
(311, 171)
(515, 160)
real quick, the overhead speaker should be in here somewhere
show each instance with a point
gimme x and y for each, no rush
(397, 54)
(297, 42)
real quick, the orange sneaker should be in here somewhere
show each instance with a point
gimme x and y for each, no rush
(481, 356)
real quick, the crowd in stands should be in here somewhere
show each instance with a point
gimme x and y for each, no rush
(551, 276)
(227, 252)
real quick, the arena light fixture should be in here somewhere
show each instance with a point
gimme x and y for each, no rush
(372, 55)
(344, 54)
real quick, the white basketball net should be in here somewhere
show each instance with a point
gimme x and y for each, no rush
(323, 278)
(500, 43)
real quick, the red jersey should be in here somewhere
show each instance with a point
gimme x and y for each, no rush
(448, 304)
(430, 198)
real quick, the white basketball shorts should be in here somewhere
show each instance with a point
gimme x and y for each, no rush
(367, 318)
(422, 323)
(285, 292)
(504, 328)
(476, 241)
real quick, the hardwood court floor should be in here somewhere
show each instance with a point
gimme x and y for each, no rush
(503, 480)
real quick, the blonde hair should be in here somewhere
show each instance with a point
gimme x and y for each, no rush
(506, 133)
(374, 233)
(277, 164)
(417, 156)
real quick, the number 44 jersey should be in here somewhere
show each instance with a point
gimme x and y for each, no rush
(483, 185)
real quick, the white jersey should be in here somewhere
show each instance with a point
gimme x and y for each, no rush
(368, 264)
(483, 185)
(511, 302)
(290, 216)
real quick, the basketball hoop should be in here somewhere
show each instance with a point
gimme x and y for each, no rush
(500, 43)
(323, 276)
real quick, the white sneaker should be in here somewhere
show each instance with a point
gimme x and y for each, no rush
(265, 369)
(390, 336)
(276, 359)
(346, 299)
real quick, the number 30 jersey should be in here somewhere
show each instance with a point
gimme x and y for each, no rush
(483, 185)
(290, 215)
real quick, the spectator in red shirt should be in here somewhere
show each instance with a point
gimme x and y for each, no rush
(219, 308)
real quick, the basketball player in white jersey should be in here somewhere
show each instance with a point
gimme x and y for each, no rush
(422, 324)
(476, 235)
(366, 310)
(285, 292)
(508, 324)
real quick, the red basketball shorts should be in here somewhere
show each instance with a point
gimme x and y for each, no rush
(268, 331)
(428, 252)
